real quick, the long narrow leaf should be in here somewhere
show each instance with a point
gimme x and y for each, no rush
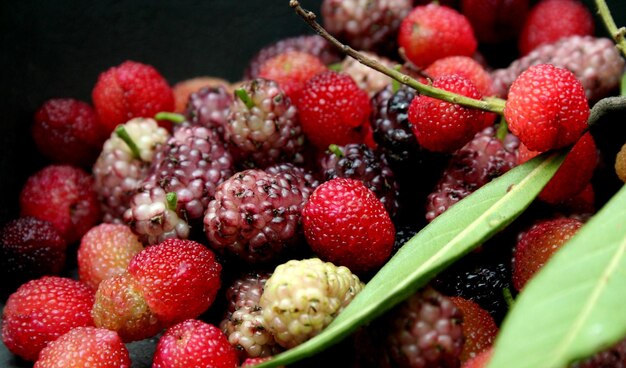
(575, 305)
(456, 232)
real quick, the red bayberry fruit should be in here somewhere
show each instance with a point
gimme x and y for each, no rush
(479, 361)
(479, 328)
(434, 31)
(547, 108)
(42, 310)
(105, 251)
(29, 249)
(130, 90)
(495, 21)
(346, 224)
(178, 278)
(64, 196)
(551, 20)
(573, 175)
(535, 247)
(333, 109)
(68, 131)
(464, 66)
(291, 70)
(193, 343)
(443, 126)
(85, 347)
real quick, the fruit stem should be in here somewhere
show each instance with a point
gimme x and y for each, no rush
(491, 104)
(335, 150)
(618, 34)
(170, 116)
(503, 129)
(623, 85)
(121, 132)
(172, 200)
(605, 106)
(244, 97)
(335, 67)
(508, 297)
(395, 85)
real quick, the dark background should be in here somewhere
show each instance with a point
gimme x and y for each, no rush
(57, 49)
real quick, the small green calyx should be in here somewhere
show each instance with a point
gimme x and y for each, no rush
(121, 132)
(243, 95)
(335, 150)
(170, 116)
(172, 201)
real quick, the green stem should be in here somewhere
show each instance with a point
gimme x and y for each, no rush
(491, 104)
(508, 297)
(618, 34)
(121, 132)
(172, 200)
(170, 116)
(335, 150)
(244, 97)
(503, 129)
(395, 85)
(335, 67)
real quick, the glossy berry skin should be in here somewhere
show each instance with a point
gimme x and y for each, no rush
(479, 328)
(184, 89)
(333, 109)
(85, 347)
(194, 343)
(535, 247)
(442, 126)
(64, 196)
(346, 224)
(208, 107)
(178, 278)
(431, 32)
(547, 108)
(464, 66)
(130, 90)
(573, 175)
(495, 21)
(68, 131)
(291, 70)
(105, 251)
(551, 20)
(42, 310)
(29, 249)
(479, 361)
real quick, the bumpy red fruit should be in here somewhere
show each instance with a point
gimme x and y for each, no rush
(105, 251)
(442, 126)
(551, 20)
(432, 32)
(29, 249)
(464, 66)
(85, 347)
(291, 70)
(184, 89)
(209, 107)
(42, 310)
(333, 109)
(573, 175)
(68, 131)
(495, 21)
(535, 247)
(194, 343)
(479, 361)
(479, 328)
(178, 278)
(346, 224)
(130, 90)
(64, 196)
(547, 108)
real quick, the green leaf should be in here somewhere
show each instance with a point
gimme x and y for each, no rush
(623, 85)
(450, 236)
(574, 306)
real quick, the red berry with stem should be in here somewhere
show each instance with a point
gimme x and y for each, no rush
(464, 66)
(547, 108)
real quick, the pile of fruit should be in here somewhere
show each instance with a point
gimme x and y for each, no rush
(231, 222)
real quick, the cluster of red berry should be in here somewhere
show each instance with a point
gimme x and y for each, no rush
(262, 206)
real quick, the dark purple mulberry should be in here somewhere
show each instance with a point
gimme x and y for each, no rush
(209, 107)
(614, 357)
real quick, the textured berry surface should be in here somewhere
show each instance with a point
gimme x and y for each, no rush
(614, 357)
(120, 306)
(105, 251)
(68, 131)
(193, 343)
(29, 249)
(495, 21)
(333, 109)
(596, 62)
(130, 90)
(442, 126)
(184, 89)
(551, 20)
(346, 224)
(573, 175)
(302, 297)
(535, 247)
(479, 328)
(432, 32)
(118, 172)
(357, 161)
(291, 70)
(464, 66)
(479, 361)
(547, 108)
(64, 196)
(85, 347)
(478, 162)
(178, 278)
(42, 310)
(209, 107)
(267, 132)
